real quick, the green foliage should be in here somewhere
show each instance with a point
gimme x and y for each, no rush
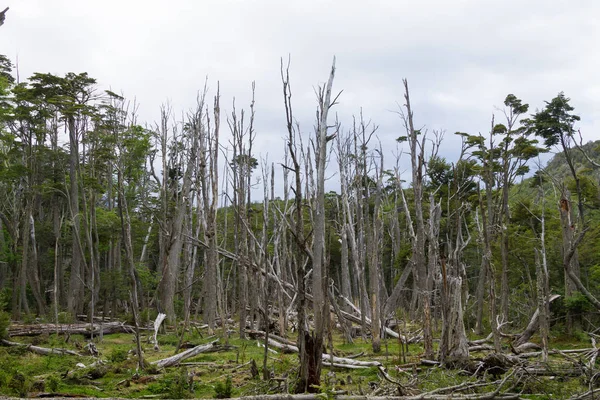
(590, 193)
(577, 303)
(223, 390)
(65, 318)
(555, 122)
(4, 324)
(53, 382)
(117, 355)
(18, 384)
(174, 385)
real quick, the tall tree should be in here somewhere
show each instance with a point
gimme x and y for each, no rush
(555, 125)
(515, 149)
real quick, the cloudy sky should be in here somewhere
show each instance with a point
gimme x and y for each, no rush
(461, 57)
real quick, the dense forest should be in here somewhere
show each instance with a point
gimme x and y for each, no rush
(105, 218)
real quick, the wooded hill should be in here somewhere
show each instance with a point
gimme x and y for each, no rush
(124, 221)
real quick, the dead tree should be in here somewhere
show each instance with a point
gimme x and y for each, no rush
(175, 195)
(209, 138)
(306, 377)
(351, 218)
(320, 303)
(416, 143)
(454, 347)
(242, 165)
(375, 258)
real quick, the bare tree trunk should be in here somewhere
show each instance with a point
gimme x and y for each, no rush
(479, 296)
(34, 280)
(543, 283)
(126, 232)
(454, 348)
(75, 297)
(242, 164)
(320, 303)
(504, 290)
(359, 285)
(181, 197)
(485, 232)
(212, 257)
(568, 237)
(392, 301)
(375, 261)
(420, 265)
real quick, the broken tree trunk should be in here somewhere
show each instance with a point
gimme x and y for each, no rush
(70, 329)
(454, 347)
(177, 358)
(44, 351)
(532, 327)
(340, 362)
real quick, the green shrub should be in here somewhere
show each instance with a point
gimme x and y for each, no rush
(4, 324)
(223, 390)
(65, 318)
(3, 380)
(117, 355)
(173, 385)
(577, 303)
(53, 382)
(151, 369)
(19, 384)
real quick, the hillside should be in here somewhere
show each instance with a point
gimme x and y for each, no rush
(558, 168)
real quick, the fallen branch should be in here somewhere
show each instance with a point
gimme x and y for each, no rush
(177, 358)
(328, 359)
(70, 329)
(532, 327)
(483, 396)
(41, 350)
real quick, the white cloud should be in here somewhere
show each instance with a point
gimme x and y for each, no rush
(461, 57)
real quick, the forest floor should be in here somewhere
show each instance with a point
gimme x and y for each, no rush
(228, 371)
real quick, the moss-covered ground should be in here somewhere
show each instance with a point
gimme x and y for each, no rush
(228, 373)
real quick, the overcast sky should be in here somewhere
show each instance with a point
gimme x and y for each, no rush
(461, 57)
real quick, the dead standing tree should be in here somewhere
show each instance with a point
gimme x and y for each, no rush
(375, 256)
(242, 165)
(454, 347)
(175, 191)
(310, 345)
(320, 302)
(416, 143)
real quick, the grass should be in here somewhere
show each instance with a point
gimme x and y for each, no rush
(22, 372)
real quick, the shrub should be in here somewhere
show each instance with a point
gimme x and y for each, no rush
(4, 324)
(52, 383)
(173, 385)
(224, 390)
(18, 384)
(117, 355)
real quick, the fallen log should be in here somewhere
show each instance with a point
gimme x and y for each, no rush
(533, 325)
(284, 347)
(482, 347)
(317, 396)
(177, 358)
(556, 351)
(343, 366)
(525, 347)
(388, 331)
(44, 351)
(84, 329)
(478, 342)
(328, 359)
(349, 361)
(253, 333)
